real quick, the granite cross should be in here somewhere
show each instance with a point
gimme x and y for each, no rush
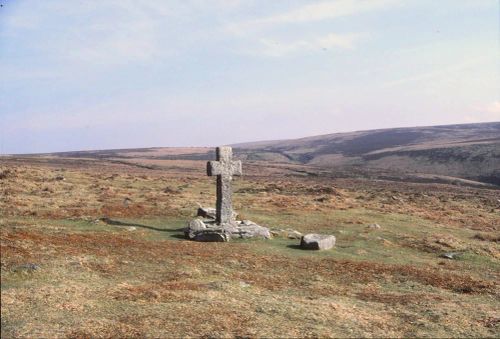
(224, 168)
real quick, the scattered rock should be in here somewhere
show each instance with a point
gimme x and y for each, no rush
(244, 284)
(59, 178)
(451, 255)
(294, 235)
(373, 226)
(317, 241)
(288, 233)
(30, 267)
(197, 225)
(211, 236)
(194, 227)
(248, 229)
(203, 230)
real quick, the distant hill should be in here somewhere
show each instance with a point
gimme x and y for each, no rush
(438, 153)
(469, 151)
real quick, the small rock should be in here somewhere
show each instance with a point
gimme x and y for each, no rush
(60, 178)
(450, 255)
(194, 226)
(373, 226)
(248, 230)
(294, 235)
(197, 225)
(131, 228)
(211, 236)
(244, 284)
(27, 268)
(206, 212)
(317, 241)
(288, 233)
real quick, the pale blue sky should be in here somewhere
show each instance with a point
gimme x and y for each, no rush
(103, 74)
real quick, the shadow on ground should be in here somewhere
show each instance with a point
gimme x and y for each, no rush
(121, 223)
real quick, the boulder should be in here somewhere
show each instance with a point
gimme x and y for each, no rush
(206, 230)
(206, 212)
(197, 224)
(317, 241)
(210, 213)
(194, 226)
(292, 234)
(248, 229)
(211, 236)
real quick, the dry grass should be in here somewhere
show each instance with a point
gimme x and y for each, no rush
(132, 276)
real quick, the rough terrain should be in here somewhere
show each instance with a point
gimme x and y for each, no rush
(94, 248)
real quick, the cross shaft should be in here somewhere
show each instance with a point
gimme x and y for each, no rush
(224, 168)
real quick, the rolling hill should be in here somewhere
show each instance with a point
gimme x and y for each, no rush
(470, 151)
(460, 154)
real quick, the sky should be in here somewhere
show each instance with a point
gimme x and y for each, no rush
(102, 74)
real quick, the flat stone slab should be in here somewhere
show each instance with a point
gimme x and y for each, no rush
(211, 236)
(314, 241)
(209, 230)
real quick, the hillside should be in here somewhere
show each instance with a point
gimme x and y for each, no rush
(94, 248)
(93, 245)
(462, 154)
(469, 151)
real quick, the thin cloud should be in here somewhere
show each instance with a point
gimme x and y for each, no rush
(278, 48)
(312, 12)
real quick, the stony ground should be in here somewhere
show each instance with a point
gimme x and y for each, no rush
(95, 249)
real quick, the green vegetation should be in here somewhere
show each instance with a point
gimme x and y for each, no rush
(106, 257)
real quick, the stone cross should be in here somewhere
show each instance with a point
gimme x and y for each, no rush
(224, 168)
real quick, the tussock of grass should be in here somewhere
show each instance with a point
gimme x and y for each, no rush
(113, 262)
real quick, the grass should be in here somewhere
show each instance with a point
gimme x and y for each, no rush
(109, 270)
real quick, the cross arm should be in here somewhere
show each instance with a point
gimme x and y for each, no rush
(214, 168)
(236, 168)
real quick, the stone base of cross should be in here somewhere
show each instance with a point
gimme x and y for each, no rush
(224, 168)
